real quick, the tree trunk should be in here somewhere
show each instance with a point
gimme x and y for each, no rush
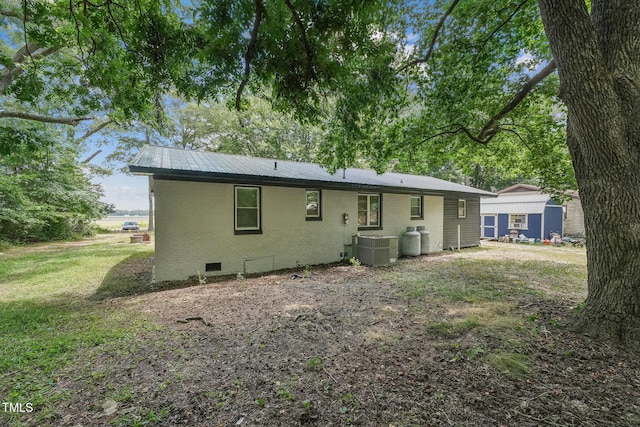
(598, 61)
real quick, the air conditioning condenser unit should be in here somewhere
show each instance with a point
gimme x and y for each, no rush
(377, 250)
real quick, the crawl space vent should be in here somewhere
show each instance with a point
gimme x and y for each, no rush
(213, 266)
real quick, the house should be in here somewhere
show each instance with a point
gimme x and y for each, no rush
(573, 216)
(524, 209)
(224, 214)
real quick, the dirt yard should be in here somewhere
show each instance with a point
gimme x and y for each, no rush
(458, 339)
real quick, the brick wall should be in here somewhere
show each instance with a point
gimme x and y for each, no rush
(574, 222)
(195, 226)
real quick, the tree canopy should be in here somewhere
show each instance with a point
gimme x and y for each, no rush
(118, 58)
(44, 193)
(257, 130)
(380, 76)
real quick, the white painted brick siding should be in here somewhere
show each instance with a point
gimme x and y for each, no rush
(195, 226)
(574, 223)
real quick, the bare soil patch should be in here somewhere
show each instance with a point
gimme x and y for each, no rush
(358, 346)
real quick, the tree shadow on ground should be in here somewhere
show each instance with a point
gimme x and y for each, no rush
(134, 276)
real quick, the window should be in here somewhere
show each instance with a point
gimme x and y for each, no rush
(462, 208)
(247, 210)
(518, 221)
(416, 207)
(369, 210)
(314, 207)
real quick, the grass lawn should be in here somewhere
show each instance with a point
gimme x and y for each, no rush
(459, 338)
(47, 313)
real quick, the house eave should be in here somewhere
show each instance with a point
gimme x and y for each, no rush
(240, 179)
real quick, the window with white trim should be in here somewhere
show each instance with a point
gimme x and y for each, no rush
(518, 221)
(369, 210)
(416, 207)
(247, 210)
(313, 205)
(462, 208)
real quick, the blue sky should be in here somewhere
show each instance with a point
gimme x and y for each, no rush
(124, 191)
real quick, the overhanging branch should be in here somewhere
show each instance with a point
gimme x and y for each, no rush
(30, 50)
(505, 22)
(95, 129)
(25, 51)
(11, 14)
(490, 129)
(493, 126)
(432, 45)
(450, 131)
(305, 41)
(251, 51)
(73, 121)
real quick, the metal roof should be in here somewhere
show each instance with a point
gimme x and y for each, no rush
(174, 163)
(524, 203)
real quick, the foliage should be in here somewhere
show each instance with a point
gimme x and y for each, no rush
(513, 365)
(258, 130)
(80, 59)
(459, 86)
(120, 58)
(313, 364)
(44, 194)
(348, 67)
(128, 212)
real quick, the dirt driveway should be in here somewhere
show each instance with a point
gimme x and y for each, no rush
(346, 345)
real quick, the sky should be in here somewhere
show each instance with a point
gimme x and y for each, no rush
(126, 192)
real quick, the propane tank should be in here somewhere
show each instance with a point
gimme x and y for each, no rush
(411, 242)
(425, 240)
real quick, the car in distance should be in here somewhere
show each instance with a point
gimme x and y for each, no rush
(130, 226)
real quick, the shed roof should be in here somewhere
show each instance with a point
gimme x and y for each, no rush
(515, 204)
(174, 163)
(519, 188)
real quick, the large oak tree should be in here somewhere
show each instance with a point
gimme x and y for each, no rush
(598, 57)
(486, 72)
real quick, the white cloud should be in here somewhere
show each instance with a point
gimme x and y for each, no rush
(125, 191)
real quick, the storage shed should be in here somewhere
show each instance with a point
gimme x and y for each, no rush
(531, 214)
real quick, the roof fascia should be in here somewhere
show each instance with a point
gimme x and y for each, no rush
(295, 183)
(196, 176)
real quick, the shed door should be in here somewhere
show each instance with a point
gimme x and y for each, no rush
(488, 227)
